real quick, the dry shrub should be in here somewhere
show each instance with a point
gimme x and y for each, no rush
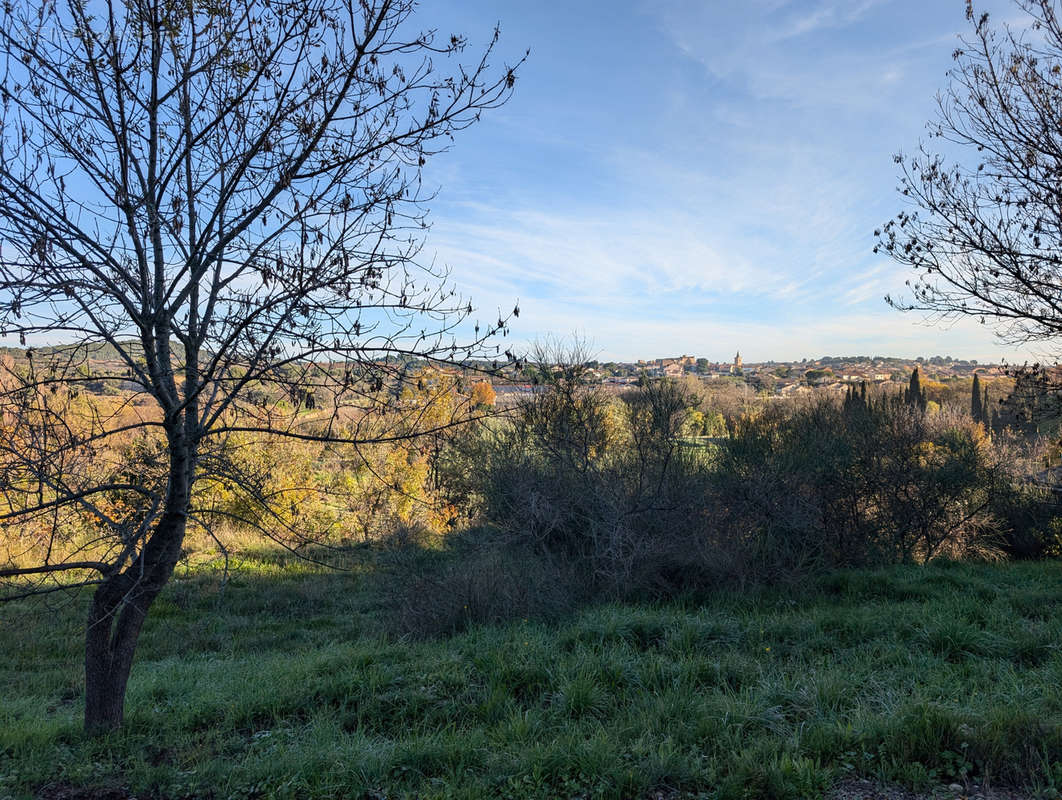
(406, 537)
(604, 485)
(477, 583)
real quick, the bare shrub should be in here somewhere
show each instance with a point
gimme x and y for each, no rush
(476, 581)
(604, 484)
(406, 536)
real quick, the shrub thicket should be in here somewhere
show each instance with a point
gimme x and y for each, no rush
(606, 485)
(860, 483)
(614, 490)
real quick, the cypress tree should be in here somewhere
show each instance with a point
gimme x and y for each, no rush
(977, 409)
(916, 395)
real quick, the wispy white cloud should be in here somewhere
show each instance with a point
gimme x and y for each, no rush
(721, 190)
(616, 334)
(802, 20)
(619, 256)
(640, 292)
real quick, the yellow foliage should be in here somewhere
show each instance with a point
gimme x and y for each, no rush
(482, 395)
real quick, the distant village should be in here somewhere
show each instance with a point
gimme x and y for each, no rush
(776, 378)
(767, 379)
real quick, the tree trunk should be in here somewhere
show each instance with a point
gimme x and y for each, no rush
(108, 659)
(120, 605)
(114, 624)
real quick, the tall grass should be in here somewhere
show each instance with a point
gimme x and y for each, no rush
(286, 682)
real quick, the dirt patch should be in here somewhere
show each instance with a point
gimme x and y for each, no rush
(65, 791)
(862, 789)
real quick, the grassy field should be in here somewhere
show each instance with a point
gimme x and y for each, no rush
(283, 683)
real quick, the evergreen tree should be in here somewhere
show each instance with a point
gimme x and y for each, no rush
(977, 409)
(856, 399)
(915, 394)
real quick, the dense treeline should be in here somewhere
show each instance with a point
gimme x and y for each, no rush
(298, 493)
(577, 494)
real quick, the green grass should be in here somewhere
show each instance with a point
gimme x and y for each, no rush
(284, 683)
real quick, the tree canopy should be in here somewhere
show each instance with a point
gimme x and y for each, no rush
(229, 198)
(983, 226)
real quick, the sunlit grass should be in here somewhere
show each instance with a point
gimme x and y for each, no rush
(282, 681)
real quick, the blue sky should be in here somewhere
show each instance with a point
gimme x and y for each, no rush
(699, 177)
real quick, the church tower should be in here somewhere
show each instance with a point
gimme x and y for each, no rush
(736, 369)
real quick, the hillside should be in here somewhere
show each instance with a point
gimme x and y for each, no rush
(289, 682)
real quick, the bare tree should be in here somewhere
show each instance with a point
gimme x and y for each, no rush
(218, 207)
(985, 234)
